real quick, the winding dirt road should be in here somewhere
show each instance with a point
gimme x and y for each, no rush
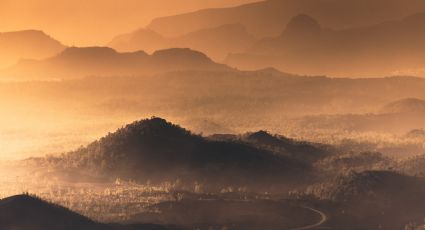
(323, 219)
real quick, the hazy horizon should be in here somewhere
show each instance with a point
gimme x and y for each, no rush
(94, 22)
(212, 115)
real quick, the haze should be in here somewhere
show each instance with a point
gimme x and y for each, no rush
(93, 22)
(212, 114)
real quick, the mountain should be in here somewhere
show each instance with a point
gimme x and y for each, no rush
(405, 106)
(306, 47)
(24, 212)
(31, 44)
(267, 18)
(216, 42)
(158, 151)
(102, 61)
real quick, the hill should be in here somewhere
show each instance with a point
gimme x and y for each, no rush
(390, 48)
(31, 44)
(216, 42)
(302, 151)
(24, 212)
(373, 199)
(267, 18)
(158, 151)
(416, 134)
(407, 105)
(102, 61)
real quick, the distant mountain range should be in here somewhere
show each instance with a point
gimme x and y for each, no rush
(77, 62)
(267, 18)
(305, 47)
(32, 44)
(216, 42)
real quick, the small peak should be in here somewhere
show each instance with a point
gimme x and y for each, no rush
(260, 134)
(416, 133)
(86, 52)
(184, 53)
(301, 24)
(406, 105)
(154, 126)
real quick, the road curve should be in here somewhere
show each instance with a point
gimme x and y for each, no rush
(323, 219)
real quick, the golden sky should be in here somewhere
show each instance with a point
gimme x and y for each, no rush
(93, 22)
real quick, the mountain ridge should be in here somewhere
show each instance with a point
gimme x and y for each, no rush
(78, 62)
(305, 47)
(32, 44)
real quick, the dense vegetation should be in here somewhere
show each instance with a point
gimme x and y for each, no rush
(157, 151)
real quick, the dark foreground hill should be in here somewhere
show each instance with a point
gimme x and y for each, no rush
(25, 212)
(78, 62)
(157, 151)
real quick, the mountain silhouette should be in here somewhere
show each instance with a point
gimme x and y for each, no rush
(407, 105)
(158, 151)
(76, 62)
(24, 212)
(267, 18)
(216, 42)
(24, 44)
(305, 47)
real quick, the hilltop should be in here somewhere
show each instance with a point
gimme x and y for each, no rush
(158, 151)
